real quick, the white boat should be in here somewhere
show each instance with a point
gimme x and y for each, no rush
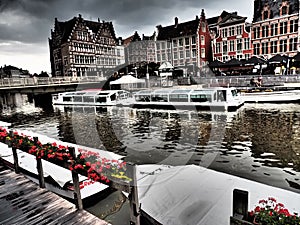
(271, 96)
(95, 97)
(212, 99)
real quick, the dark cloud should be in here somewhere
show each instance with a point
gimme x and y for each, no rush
(127, 15)
(25, 25)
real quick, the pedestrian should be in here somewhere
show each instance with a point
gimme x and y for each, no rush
(259, 81)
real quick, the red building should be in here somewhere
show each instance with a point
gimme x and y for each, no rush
(231, 37)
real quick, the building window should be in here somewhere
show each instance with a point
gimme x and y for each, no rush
(256, 31)
(158, 57)
(239, 30)
(187, 41)
(265, 47)
(266, 15)
(224, 32)
(175, 55)
(203, 26)
(202, 40)
(218, 47)
(293, 26)
(273, 46)
(193, 40)
(158, 46)
(231, 45)
(202, 52)
(194, 53)
(284, 10)
(231, 31)
(224, 47)
(175, 43)
(187, 53)
(180, 41)
(274, 29)
(247, 43)
(163, 45)
(283, 27)
(256, 49)
(239, 45)
(265, 31)
(181, 56)
(283, 46)
(293, 44)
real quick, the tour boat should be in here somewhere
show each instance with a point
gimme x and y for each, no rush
(212, 99)
(271, 96)
(94, 97)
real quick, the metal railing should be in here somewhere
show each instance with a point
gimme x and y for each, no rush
(46, 81)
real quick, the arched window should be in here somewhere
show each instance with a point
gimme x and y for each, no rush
(266, 15)
(284, 10)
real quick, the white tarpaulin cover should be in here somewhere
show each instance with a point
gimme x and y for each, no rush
(166, 65)
(127, 79)
(199, 196)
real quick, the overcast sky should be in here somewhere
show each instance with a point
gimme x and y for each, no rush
(25, 24)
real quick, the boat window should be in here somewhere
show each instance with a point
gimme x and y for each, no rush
(101, 99)
(88, 98)
(201, 98)
(221, 95)
(113, 97)
(159, 98)
(143, 98)
(178, 98)
(234, 92)
(67, 99)
(77, 98)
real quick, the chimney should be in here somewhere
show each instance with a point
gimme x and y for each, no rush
(197, 17)
(176, 21)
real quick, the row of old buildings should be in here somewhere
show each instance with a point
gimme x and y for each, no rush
(80, 47)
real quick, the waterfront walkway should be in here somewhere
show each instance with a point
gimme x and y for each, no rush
(23, 202)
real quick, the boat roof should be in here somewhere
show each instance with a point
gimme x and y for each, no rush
(92, 92)
(180, 91)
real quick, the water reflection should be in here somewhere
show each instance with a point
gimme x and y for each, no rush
(258, 142)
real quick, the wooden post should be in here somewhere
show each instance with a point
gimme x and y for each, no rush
(77, 194)
(14, 150)
(39, 167)
(133, 197)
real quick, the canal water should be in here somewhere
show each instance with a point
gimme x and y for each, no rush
(260, 142)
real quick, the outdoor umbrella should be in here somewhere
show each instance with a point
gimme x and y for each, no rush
(233, 62)
(296, 58)
(254, 61)
(278, 59)
(215, 64)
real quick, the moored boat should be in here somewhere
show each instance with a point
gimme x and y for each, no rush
(95, 97)
(271, 96)
(213, 99)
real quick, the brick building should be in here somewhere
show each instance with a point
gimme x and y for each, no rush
(231, 37)
(184, 44)
(81, 48)
(139, 50)
(275, 27)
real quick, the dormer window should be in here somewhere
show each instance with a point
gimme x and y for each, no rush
(284, 9)
(266, 12)
(266, 15)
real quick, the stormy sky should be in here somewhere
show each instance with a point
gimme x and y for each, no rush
(25, 24)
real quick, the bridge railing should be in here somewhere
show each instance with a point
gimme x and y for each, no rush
(18, 82)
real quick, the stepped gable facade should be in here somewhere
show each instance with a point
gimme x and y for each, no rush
(231, 37)
(184, 44)
(275, 27)
(80, 48)
(139, 51)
